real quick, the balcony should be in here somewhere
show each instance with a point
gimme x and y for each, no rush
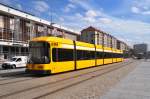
(12, 36)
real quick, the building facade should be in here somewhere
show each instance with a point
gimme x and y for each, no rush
(98, 37)
(17, 28)
(140, 50)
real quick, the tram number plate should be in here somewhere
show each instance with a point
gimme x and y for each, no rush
(54, 44)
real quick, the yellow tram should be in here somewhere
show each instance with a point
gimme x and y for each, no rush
(50, 55)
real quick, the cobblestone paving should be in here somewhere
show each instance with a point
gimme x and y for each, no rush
(135, 86)
(94, 88)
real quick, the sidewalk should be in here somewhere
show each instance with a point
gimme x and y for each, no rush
(135, 86)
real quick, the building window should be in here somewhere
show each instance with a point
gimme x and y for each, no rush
(39, 30)
(12, 24)
(1, 27)
(105, 40)
(1, 22)
(49, 30)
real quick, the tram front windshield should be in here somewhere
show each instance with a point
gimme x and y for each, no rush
(39, 53)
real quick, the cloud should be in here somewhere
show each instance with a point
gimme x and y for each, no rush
(13, 3)
(146, 12)
(82, 3)
(6, 2)
(78, 15)
(19, 6)
(141, 7)
(105, 20)
(53, 14)
(129, 31)
(40, 6)
(69, 7)
(124, 28)
(61, 19)
(89, 19)
(90, 16)
(91, 13)
(135, 10)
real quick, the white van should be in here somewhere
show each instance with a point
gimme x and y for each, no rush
(14, 62)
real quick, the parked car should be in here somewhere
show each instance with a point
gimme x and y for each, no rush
(14, 62)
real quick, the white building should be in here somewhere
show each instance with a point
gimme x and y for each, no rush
(18, 27)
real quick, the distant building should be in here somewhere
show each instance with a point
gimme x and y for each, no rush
(148, 55)
(98, 37)
(140, 50)
(92, 35)
(17, 28)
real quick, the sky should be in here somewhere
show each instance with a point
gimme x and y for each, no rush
(128, 20)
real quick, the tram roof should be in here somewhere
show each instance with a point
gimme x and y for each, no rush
(61, 40)
(66, 41)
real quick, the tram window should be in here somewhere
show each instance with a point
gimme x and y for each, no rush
(85, 55)
(118, 55)
(91, 54)
(112, 55)
(107, 55)
(60, 54)
(115, 55)
(39, 53)
(99, 55)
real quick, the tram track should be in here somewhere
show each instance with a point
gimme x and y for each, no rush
(15, 77)
(11, 75)
(27, 90)
(79, 82)
(15, 80)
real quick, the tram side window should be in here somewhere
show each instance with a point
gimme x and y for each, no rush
(91, 54)
(107, 55)
(60, 54)
(99, 55)
(118, 55)
(115, 55)
(85, 55)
